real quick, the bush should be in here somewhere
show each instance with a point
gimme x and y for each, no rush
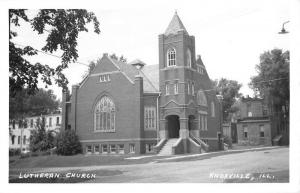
(40, 139)
(14, 152)
(228, 141)
(67, 143)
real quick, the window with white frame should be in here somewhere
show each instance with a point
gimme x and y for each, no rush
(213, 109)
(176, 88)
(121, 149)
(150, 117)
(131, 148)
(167, 89)
(112, 148)
(104, 78)
(201, 98)
(200, 69)
(189, 58)
(104, 115)
(57, 120)
(203, 122)
(96, 149)
(171, 57)
(104, 149)
(89, 149)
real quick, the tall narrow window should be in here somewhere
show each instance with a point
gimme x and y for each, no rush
(189, 58)
(188, 88)
(203, 122)
(24, 139)
(57, 120)
(193, 88)
(104, 115)
(167, 89)
(150, 118)
(213, 109)
(201, 98)
(245, 132)
(176, 88)
(50, 121)
(261, 131)
(171, 57)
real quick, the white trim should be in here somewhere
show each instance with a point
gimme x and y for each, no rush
(104, 73)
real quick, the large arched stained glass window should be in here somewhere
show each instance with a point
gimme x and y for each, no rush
(201, 98)
(171, 57)
(104, 115)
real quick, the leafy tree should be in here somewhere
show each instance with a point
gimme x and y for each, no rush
(229, 89)
(63, 28)
(40, 139)
(272, 80)
(23, 104)
(68, 143)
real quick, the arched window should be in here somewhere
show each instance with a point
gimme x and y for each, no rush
(104, 115)
(189, 58)
(171, 57)
(201, 98)
(213, 109)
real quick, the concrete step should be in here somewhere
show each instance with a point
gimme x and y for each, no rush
(167, 148)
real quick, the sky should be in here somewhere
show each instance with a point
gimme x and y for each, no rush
(230, 35)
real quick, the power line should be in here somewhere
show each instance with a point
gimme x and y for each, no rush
(50, 54)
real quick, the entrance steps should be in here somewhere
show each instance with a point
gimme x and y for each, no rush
(167, 148)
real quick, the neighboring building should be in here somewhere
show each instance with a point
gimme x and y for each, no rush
(167, 108)
(253, 122)
(20, 130)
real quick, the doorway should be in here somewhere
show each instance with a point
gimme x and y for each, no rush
(173, 125)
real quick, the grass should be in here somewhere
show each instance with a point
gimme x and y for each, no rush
(74, 161)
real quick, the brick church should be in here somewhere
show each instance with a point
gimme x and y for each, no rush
(169, 108)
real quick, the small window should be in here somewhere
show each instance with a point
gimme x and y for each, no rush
(31, 123)
(131, 148)
(104, 78)
(113, 148)
(89, 149)
(104, 148)
(121, 149)
(96, 149)
(150, 148)
(167, 89)
(189, 58)
(261, 131)
(19, 139)
(50, 121)
(188, 88)
(249, 114)
(14, 124)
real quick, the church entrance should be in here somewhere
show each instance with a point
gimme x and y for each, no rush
(173, 125)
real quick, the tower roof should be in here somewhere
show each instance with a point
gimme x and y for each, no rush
(175, 26)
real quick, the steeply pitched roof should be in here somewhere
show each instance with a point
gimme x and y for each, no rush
(150, 74)
(175, 26)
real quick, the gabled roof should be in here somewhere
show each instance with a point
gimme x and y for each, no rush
(175, 26)
(150, 74)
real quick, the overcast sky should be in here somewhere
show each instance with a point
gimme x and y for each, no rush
(230, 35)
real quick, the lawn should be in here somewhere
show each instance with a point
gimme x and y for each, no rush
(74, 161)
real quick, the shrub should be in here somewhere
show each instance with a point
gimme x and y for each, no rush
(40, 139)
(228, 141)
(67, 143)
(14, 152)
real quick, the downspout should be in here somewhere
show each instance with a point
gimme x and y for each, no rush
(157, 119)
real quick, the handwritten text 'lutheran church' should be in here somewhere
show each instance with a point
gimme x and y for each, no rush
(168, 108)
